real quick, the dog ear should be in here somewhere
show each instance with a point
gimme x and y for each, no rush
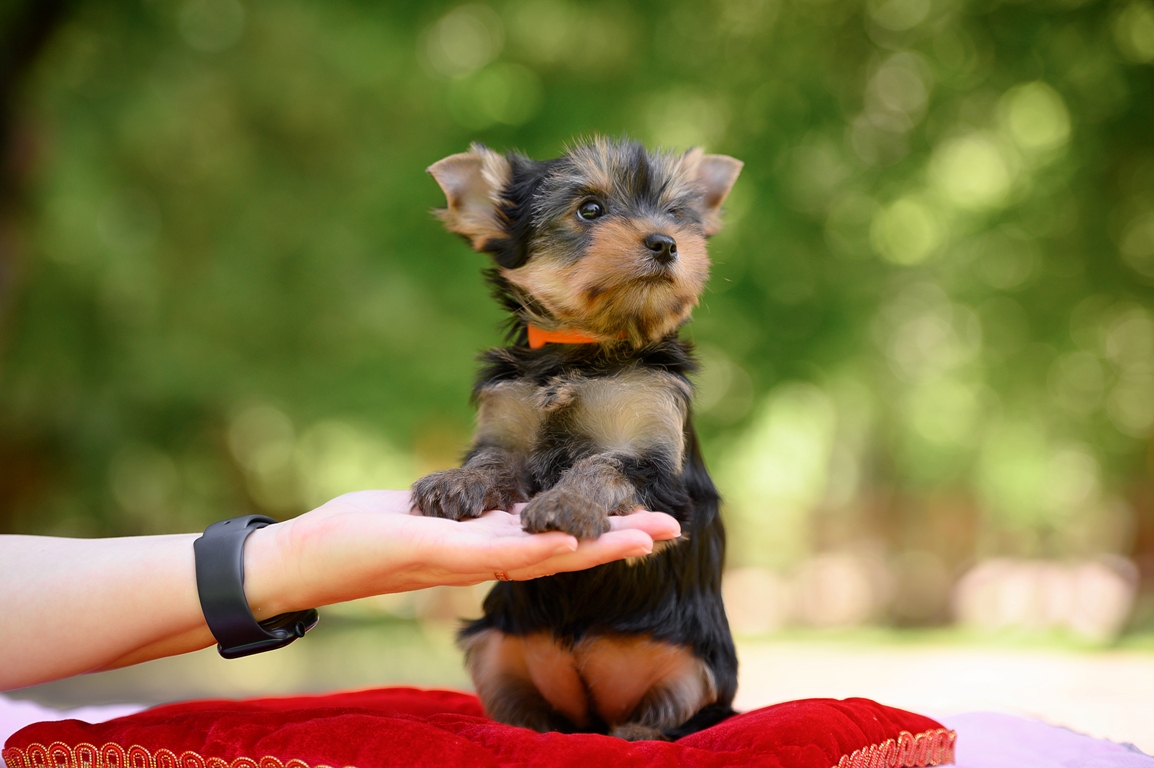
(714, 175)
(473, 182)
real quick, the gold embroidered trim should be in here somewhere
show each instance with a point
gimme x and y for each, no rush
(84, 755)
(931, 748)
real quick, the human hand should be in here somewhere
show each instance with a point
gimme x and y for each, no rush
(367, 543)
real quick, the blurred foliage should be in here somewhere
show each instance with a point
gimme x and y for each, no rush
(930, 322)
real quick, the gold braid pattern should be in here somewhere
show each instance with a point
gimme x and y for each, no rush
(84, 755)
(930, 748)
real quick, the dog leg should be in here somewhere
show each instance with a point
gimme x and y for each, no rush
(582, 500)
(513, 701)
(490, 479)
(516, 676)
(669, 704)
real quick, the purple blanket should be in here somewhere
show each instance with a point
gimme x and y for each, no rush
(992, 740)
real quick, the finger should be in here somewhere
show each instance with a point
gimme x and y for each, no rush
(365, 502)
(630, 536)
(497, 520)
(658, 525)
(507, 553)
(495, 523)
(509, 549)
(611, 546)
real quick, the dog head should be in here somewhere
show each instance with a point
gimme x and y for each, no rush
(608, 239)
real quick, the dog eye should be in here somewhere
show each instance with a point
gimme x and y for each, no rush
(590, 209)
(676, 213)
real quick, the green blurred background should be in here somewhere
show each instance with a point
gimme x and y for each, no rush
(928, 392)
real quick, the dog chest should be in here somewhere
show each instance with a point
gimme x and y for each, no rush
(631, 412)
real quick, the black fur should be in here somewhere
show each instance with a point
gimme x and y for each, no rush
(675, 595)
(513, 251)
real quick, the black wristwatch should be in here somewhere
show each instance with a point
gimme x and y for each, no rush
(219, 555)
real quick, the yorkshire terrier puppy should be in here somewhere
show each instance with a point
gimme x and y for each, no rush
(600, 258)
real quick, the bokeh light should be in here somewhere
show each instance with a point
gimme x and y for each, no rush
(927, 347)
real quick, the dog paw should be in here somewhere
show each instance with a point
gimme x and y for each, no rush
(567, 510)
(462, 493)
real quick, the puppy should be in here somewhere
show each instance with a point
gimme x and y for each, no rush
(599, 258)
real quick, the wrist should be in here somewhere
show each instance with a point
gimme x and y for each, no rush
(220, 580)
(265, 585)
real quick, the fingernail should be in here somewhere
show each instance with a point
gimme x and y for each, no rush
(639, 551)
(565, 547)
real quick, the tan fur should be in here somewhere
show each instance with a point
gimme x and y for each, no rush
(595, 276)
(630, 413)
(634, 412)
(601, 167)
(658, 548)
(582, 500)
(714, 175)
(558, 394)
(508, 415)
(593, 161)
(615, 286)
(637, 412)
(500, 672)
(472, 182)
(638, 686)
(492, 479)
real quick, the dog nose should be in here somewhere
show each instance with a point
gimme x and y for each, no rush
(662, 248)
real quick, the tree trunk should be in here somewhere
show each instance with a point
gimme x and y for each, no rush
(24, 31)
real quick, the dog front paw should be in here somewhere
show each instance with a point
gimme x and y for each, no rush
(464, 492)
(567, 510)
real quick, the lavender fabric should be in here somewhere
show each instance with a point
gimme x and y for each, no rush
(994, 740)
(15, 714)
(985, 739)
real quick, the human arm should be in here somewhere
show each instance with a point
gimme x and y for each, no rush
(81, 605)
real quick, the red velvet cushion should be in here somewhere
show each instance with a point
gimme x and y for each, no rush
(441, 729)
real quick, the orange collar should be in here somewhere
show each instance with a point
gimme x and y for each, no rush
(539, 337)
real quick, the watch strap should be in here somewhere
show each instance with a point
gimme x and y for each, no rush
(219, 556)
